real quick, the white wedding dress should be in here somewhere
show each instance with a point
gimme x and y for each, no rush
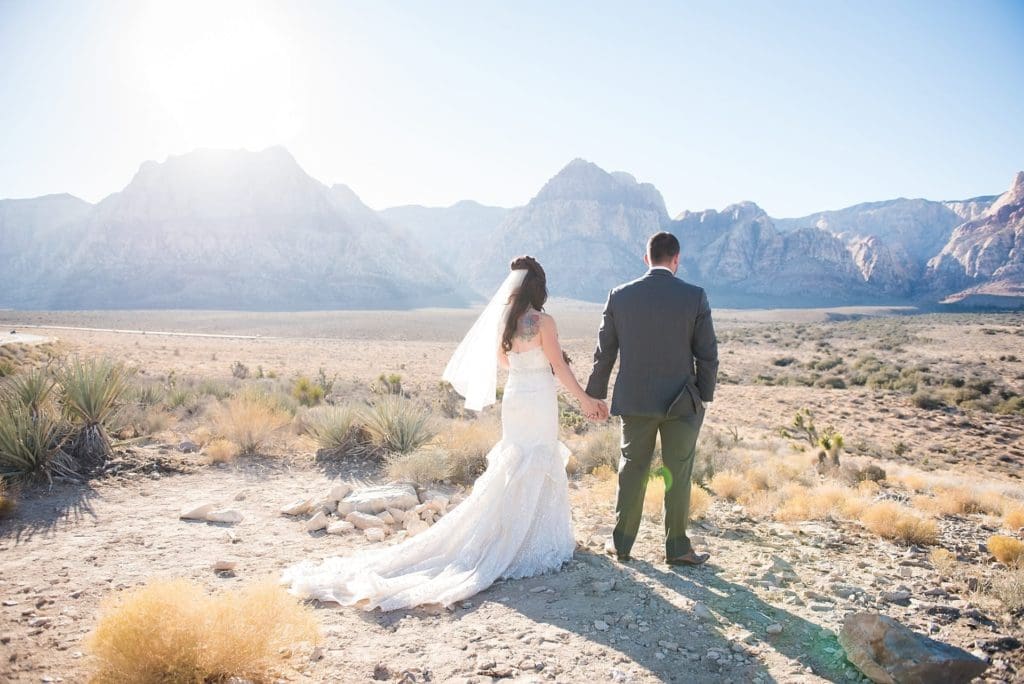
(515, 523)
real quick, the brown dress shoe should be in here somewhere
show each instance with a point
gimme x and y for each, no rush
(692, 558)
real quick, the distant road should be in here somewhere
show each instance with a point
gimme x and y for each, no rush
(39, 339)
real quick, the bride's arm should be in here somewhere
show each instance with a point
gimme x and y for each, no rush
(502, 358)
(553, 351)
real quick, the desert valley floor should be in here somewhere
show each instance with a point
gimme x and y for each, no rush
(932, 399)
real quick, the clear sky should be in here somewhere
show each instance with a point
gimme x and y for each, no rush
(796, 105)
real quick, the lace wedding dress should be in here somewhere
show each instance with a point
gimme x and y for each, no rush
(516, 522)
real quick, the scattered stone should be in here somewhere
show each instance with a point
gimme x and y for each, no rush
(340, 527)
(224, 566)
(899, 597)
(702, 612)
(415, 526)
(889, 653)
(197, 511)
(603, 586)
(774, 628)
(377, 499)
(299, 507)
(344, 508)
(224, 515)
(188, 447)
(364, 521)
(340, 491)
(397, 514)
(317, 522)
(374, 534)
(600, 625)
(386, 517)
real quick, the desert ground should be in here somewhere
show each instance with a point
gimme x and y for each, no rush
(934, 400)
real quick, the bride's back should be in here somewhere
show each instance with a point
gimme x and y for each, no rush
(527, 333)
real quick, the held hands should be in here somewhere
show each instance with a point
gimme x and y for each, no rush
(594, 409)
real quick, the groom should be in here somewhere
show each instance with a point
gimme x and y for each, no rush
(661, 328)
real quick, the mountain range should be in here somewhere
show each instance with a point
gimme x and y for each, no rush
(220, 229)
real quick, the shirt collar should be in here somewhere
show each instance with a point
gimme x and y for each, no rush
(668, 270)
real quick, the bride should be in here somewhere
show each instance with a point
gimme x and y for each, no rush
(516, 523)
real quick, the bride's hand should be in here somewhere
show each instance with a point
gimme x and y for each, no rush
(592, 408)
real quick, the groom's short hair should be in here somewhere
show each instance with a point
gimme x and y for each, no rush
(662, 247)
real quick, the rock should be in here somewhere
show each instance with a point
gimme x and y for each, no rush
(702, 612)
(603, 586)
(377, 499)
(298, 507)
(224, 566)
(889, 653)
(774, 628)
(364, 521)
(386, 517)
(397, 515)
(224, 515)
(197, 511)
(340, 491)
(340, 527)
(374, 534)
(188, 447)
(899, 596)
(344, 508)
(415, 526)
(600, 625)
(317, 522)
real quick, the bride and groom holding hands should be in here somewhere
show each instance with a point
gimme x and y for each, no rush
(517, 521)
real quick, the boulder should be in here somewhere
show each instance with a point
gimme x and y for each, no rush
(317, 522)
(197, 511)
(386, 517)
(375, 534)
(396, 514)
(339, 491)
(364, 521)
(344, 508)
(340, 527)
(224, 515)
(298, 507)
(889, 653)
(377, 499)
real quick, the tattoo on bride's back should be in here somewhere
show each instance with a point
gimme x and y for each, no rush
(528, 327)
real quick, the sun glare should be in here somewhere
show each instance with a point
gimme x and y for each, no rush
(223, 73)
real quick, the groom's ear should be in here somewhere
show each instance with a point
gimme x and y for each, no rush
(647, 261)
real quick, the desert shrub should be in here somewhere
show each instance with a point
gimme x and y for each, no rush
(202, 435)
(134, 419)
(818, 503)
(1011, 405)
(832, 382)
(927, 400)
(270, 395)
(239, 370)
(389, 384)
(1007, 586)
(962, 500)
(943, 560)
(890, 520)
(30, 445)
(7, 368)
(248, 423)
(398, 424)
(783, 361)
(220, 451)
(335, 428)
(1013, 518)
(728, 484)
(700, 502)
(828, 363)
(174, 631)
(1007, 550)
(183, 399)
(214, 388)
(32, 390)
(306, 392)
(714, 453)
(147, 394)
(426, 464)
(466, 444)
(92, 391)
(600, 447)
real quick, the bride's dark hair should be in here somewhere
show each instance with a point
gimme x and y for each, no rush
(533, 292)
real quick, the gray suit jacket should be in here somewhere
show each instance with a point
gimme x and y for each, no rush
(661, 328)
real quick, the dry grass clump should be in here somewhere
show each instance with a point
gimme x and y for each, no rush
(201, 436)
(248, 422)
(898, 523)
(820, 503)
(221, 451)
(1013, 518)
(174, 631)
(943, 560)
(1007, 550)
(654, 499)
(427, 464)
(700, 502)
(961, 500)
(729, 484)
(335, 428)
(466, 444)
(599, 447)
(399, 425)
(1008, 587)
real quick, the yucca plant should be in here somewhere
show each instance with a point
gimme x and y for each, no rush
(399, 425)
(31, 445)
(31, 390)
(333, 427)
(92, 391)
